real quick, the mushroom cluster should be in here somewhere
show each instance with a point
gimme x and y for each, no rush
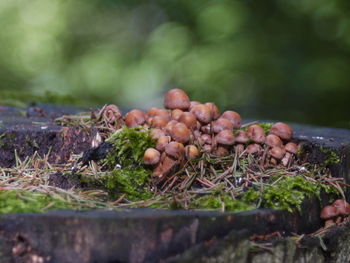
(185, 129)
(335, 213)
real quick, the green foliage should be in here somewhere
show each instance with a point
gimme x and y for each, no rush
(222, 202)
(266, 126)
(129, 145)
(132, 182)
(20, 201)
(287, 193)
(331, 156)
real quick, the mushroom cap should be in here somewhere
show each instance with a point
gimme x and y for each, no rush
(135, 118)
(253, 148)
(165, 167)
(152, 112)
(159, 122)
(291, 147)
(242, 137)
(256, 133)
(206, 138)
(151, 156)
(239, 148)
(328, 212)
(277, 152)
(176, 99)
(273, 140)
(215, 113)
(207, 147)
(157, 133)
(175, 150)
(194, 103)
(180, 133)
(225, 137)
(206, 129)
(191, 152)
(162, 142)
(234, 117)
(175, 114)
(197, 134)
(221, 124)
(282, 130)
(202, 113)
(342, 206)
(221, 151)
(189, 120)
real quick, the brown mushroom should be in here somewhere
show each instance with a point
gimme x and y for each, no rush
(273, 140)
(175, 150)
(225, 137)
(194, 103)
(256, 133)
(221, 151)
(242, 137)
(191, 152)
(221, 124)
(151, 156)
(180, 133)
(206, 138)
(189, 120)
(152, 112)
(135, 118)
(239, 148)
(291, 147)
(282, 130)
(253, 148)
(175, 114)
(157, 133)
(170, 126)
(329, 213)
(234, 117)
(277, 152)
(207, 147)
(202, 113)
(162, 142)
(159, 122)
(176, 99)
(215, 113)
(342, 207)
(166, 166)
(206, 129)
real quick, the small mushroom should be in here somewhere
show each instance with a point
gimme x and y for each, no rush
(135, 118)
(207, 147)
(277, 152)
(194, 103)
(273, 140)
(166, 166)
(256, 133)
(162, 142)
(206, 138)
(202, 113)
(189, 120)
(342, 207)
(206, 129)
(151, 156)
(175, 114)
(329, 213)
(253, 148)
(234, 117)
(215, 113)
(242, 137)
(152, 112)
(157, 133)
(282, 130)
(291, 147)
(221, 124)
(197, 134)
(225, 137)
(180, 133)
(221, 151)
(191, 152)
(170, 126)
(176, 99)
(159, 122)
(175, 150)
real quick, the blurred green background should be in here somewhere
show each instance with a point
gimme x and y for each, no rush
(274, 59)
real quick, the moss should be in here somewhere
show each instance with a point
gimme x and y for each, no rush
(331, 157)
(19, 201)
(31, 142)
(287, 193)
(128, 148)
(266, 126)
(222, 202)
(132, 182)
